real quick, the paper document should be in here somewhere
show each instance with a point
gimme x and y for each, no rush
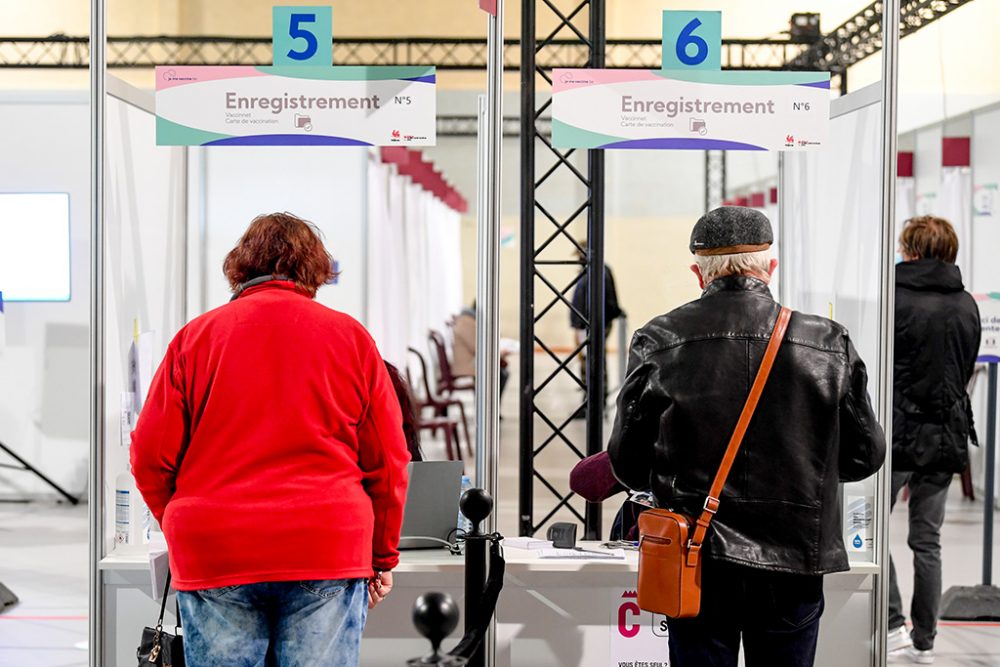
(158, 563)
(529, 543)
(578, 554)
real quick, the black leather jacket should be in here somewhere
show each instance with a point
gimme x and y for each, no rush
(689, 374)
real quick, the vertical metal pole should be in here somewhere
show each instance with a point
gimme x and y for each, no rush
(526, 475)
(991, 463)
(596, 344)
(488, 277)
(185, 277)
(782, 246)
(483, 285)
(98, 64)
(488, 294)
(203, 230)
(887, 279)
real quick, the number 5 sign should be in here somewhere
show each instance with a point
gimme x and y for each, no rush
(692, 40)
(302, 36)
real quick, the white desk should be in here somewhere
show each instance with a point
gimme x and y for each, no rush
(561, 612)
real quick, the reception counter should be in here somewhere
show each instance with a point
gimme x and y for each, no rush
(552, 612)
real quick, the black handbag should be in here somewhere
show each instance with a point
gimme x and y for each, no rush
(158, 647)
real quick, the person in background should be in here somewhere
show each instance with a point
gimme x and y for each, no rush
(778, 529)
(272, 453)
(464, 347)
(579, 316)
(407, 406)
(937, 340)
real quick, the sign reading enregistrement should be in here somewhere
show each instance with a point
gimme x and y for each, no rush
(295, 106)
(698, 110)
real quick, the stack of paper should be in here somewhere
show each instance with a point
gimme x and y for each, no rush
(529, 543)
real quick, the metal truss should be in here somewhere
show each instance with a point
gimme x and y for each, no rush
(446, 53)
(715, 179)
(856, 39)
(861, 35)
(467, 126)
(541, 163)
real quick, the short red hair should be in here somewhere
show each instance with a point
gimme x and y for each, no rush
(280, 244)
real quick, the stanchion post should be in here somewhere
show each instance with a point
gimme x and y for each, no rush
(886, 318)
(477, 506)
(991, 462)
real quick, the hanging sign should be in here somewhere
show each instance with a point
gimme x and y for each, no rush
(989, 317)
(301, 101)
(689, 103)
(638, 638)
(295, 106)
(699, 110)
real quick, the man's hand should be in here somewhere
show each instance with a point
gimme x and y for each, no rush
(379, 588)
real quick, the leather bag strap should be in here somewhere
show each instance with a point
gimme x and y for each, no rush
(712, 501)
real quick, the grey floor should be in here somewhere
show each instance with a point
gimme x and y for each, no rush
(43, 558)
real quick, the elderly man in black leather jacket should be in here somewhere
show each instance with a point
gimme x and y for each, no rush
(778, 529)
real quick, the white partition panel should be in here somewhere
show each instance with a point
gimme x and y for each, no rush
(45, 362)
(833, 213)
(325, 185)
(144, 263)
(832, 208)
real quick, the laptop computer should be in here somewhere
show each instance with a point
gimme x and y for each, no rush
(431, 508)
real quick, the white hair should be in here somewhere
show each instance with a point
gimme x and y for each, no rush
(713, 267)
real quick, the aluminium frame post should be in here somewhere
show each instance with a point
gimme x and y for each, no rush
(95, 490)
(488, 295)
(596, 322)
(488, 275)
(887, 280)
(526, 473)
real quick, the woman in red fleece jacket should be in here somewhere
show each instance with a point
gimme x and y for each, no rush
(271, 451)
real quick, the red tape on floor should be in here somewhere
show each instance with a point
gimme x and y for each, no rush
(10, 617)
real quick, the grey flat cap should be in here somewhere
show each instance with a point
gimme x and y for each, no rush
(730, 230)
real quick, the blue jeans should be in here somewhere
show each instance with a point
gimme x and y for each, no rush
(775, 615)
(275, 624)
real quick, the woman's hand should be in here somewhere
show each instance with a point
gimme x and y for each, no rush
(379, 588)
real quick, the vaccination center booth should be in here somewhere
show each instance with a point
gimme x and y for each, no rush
(486, 162)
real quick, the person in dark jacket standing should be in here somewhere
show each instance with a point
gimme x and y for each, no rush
(778, 529)
(579, 317)
(937, 339)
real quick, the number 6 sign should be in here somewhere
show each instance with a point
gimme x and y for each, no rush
(692, 40)
(302, 36)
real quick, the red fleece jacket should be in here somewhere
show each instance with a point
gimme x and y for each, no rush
(270, 447)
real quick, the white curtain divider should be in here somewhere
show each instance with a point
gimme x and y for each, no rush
(955, 205)
(414, 263)
(906, 201)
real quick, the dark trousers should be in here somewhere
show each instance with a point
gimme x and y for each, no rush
(776, 616)
(928, 496)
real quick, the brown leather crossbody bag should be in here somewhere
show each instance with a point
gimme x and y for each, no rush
(670, 543)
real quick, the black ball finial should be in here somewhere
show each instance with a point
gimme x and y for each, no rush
(476, 505)
(435, 616)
